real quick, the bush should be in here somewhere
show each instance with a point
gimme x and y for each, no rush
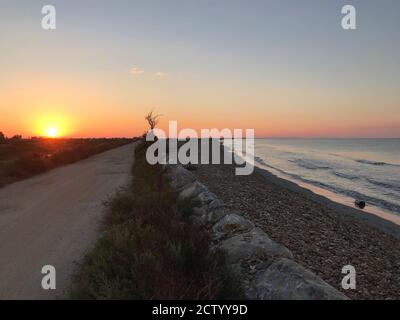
(28, 164)
(22, 158)
(149, 252)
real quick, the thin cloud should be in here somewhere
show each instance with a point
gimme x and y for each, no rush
(161, 74)
(136, 71)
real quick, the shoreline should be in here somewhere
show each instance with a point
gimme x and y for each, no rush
(372, 219)
(324, 236)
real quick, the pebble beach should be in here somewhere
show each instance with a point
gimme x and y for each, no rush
(319, 236)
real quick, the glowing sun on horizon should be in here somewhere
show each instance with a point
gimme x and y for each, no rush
(51, 126)
(52, 132)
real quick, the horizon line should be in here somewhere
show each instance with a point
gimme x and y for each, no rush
(257, 138)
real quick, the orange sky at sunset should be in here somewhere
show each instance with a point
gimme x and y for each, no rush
(102, 70)
(87, 109)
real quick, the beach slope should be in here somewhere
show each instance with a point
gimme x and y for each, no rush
(323, 236)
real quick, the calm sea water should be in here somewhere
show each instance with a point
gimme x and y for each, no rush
(366, 169)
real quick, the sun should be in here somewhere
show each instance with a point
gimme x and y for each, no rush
(51, 126)
(52, 132)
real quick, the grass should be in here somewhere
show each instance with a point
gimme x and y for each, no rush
(149, 250)
(22, 158)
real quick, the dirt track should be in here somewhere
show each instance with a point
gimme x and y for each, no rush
(53, 219)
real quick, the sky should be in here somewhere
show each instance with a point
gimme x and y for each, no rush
(285, 68)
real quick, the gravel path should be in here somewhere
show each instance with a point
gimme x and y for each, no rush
(53, 219)
(321, 239)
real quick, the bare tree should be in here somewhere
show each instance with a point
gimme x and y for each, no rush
(152, 119)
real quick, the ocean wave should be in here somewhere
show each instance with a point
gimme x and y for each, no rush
(385, 184)
(381, 203)
(309, 164)
(342, 191)
(345, 175)
(261, 161)
(375, 163)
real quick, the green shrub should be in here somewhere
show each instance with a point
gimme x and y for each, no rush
(22, 158)
(150, 252)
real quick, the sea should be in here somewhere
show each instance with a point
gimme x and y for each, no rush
(343, 170)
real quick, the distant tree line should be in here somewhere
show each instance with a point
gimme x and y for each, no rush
(4, 139)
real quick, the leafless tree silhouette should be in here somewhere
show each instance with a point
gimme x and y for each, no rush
(152, 119)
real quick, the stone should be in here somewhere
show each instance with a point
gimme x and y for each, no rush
(215, 204)
(255, 243)
(216, 215)
(231, 224)
(360, 204)
(191, 190)
(284, 279)
(206, 197)
(267, 269)
(199, 216)
(180, 177)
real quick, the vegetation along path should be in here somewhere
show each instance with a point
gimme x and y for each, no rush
(53, 219)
